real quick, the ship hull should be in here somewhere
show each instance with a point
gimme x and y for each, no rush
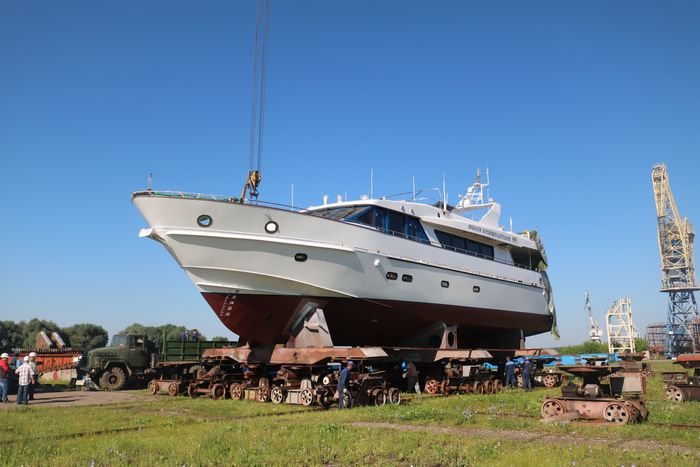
(360, 322)
(255, 281)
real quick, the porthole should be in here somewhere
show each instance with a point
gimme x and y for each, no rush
(476, 289)
(271, 227)
(204, 220)
(301, 257)
(445, 284)
(407, 278)
(450, 339)
(392, 276)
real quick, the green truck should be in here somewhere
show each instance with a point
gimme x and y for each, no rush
(134, 358)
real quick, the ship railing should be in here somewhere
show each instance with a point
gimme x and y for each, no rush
(211, 197)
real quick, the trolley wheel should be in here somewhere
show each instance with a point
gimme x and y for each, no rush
(617, 413)
(217, 391)
(551, 408)
(431, 386)
(192, 390)
(236, 391)
(394, 396)
(277, 395)
(497, 385)
(306, 396)
(153, 387)
(477, 387)
(324, 399)
(549, 381)
(173, 389)
(673, 393)
(263, 394)
(379, 397)
(488, 387)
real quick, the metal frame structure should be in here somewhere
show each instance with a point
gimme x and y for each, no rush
(620, 327)
(675, 235)
(594, 332)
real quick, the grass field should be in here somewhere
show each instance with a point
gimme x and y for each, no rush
(462, 430)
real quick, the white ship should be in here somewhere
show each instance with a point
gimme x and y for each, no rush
(384, 272)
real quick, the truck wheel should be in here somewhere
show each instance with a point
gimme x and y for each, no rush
(113, 380)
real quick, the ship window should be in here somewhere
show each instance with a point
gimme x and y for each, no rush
(415, 231)
(379, 218)
(366, 217)
(204, 220)
(300, 257)
(392, 276)
(407, 278)
(476, 289)
(444, 284)
(464, 245)
(396, 222)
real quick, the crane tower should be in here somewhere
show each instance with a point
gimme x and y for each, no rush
(620, 327)
(594, 332)
(677, 269)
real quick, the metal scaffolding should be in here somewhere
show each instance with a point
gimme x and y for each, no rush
(620, 327)
(656, 337)
(677, 269)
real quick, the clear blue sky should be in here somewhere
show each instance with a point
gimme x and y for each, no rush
(568, 103)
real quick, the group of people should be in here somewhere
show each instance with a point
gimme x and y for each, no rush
(527, 369)
(191, 335)
(25, 369)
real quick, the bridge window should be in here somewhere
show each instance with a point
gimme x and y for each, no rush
(464, 245)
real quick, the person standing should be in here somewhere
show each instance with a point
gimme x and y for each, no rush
(4, 377)
(412, 378)
(527, 375)
(510, 373)
(26, 378)
(35, 381)
(343, 380)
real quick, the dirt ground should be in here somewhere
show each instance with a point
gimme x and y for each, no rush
(68, 398)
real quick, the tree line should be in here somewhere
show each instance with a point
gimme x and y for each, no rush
(23, 334)
(589, 347)
(170, 331)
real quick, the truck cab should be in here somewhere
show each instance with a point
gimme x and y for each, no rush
(127, 356)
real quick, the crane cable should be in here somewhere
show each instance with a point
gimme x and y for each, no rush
(257, 120)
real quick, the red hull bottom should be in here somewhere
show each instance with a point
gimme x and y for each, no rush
(357, 322)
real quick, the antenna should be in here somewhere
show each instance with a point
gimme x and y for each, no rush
(150, 180)
(444, 193)
(488, 184)
(414, 189)
(292, 197)
(371, 183)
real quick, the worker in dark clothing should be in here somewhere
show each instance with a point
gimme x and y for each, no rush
(343, 380)
(510, 373)
(411, 374)
(527, 375)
